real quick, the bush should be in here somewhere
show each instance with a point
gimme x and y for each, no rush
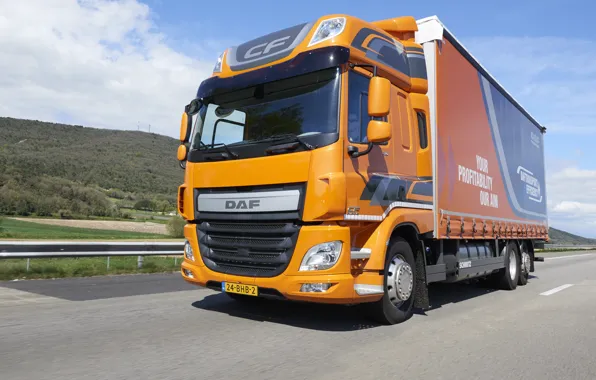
(175, 227)
(145, 205)
(65, 214)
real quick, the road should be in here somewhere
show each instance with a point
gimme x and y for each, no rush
(158, 327)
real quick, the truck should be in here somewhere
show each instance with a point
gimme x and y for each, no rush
(353, 162)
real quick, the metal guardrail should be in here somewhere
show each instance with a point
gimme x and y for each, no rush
(50, 249)
(55, 249)
(569, 246)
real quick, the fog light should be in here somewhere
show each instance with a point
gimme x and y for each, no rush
(188, 273)
(188, 253)
(315, 288)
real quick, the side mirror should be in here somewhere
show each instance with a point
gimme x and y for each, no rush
(182, 155)
(379, 93)
(378, 131)
(182, 152)
(185, 128)
(186, 121)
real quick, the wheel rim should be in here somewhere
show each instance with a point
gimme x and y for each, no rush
(525, 263)
(512, 264)
(400, 281)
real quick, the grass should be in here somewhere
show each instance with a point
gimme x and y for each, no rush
(17, 229)
(564, 252)
(11, 269)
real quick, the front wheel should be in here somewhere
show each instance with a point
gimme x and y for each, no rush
(396, 306)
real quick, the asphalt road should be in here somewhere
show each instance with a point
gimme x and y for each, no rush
(158, 327)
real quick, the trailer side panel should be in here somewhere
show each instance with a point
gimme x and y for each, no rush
(490, 159)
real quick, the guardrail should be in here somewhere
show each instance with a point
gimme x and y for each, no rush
(569, 246)
(55, 249)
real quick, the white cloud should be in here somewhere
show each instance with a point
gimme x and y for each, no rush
(93, 62)
(572, 200)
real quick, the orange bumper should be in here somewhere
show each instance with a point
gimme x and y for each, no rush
(289, 283)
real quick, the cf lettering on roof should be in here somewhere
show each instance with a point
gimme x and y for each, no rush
(266, 49)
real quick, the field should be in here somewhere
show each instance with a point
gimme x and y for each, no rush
(113, 225)
(21, 229)
(11, 269)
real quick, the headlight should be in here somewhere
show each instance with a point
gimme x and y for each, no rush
(188, 253)
(321, 256)
(328, 29)
(217, 68)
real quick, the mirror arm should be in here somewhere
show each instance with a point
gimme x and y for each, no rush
(354, 153)
(374, 67)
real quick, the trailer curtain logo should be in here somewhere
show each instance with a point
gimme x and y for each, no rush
(535, 139)
(532, 184)
(481, 179)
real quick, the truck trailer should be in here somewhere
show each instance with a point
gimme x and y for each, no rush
(352, 162)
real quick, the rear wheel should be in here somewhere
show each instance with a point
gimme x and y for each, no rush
(508, 277)
(525, 264)
(396, 306)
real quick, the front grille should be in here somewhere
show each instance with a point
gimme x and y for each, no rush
(247, 249)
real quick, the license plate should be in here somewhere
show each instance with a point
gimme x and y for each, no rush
(248, 290)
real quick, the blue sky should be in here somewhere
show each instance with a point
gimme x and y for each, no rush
(128, 63)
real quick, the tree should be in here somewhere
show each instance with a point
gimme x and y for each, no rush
(145, 204)
(175, 227)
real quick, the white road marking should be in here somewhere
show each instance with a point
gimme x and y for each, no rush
(555, 290)
(570, 256)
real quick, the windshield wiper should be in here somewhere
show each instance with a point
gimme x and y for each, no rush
(294, 138)
(227, 154)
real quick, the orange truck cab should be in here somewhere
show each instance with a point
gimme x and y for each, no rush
(344, 161)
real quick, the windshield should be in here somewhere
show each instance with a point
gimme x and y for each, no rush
(305, 105)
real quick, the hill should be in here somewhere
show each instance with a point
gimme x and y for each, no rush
(566, 238)
(49, 168)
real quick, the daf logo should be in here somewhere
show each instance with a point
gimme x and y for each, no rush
(243, 204)
(265, 48)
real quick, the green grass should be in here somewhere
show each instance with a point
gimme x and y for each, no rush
(17, 229)
(562, 252)
(11, 269)
(564, 249)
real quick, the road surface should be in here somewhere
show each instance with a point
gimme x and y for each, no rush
(158, 327)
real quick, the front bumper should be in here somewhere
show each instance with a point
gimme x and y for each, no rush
(288, 284)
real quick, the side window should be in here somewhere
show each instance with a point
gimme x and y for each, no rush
(422, 129)
(357, 107)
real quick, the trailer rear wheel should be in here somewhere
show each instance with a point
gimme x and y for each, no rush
(396, 306)
(508, 277)
(525, 264)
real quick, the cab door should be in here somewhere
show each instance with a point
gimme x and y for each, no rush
(365, 173)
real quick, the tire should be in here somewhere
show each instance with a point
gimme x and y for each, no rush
(508, 277)
(525, 263)
(390, 310)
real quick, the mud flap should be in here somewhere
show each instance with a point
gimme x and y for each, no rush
(421, 299)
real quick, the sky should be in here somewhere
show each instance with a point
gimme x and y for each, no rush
(134, 64)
